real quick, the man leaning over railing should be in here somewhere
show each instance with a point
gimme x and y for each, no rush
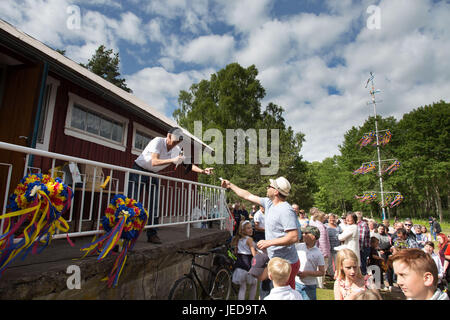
(157, 155)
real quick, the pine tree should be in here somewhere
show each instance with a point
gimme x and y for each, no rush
(105, 63)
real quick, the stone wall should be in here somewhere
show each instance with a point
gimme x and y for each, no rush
(149, 273)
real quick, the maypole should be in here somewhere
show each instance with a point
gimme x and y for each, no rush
(380, 140)
(374, 103)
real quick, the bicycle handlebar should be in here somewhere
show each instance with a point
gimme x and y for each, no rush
(194, 253)
(214, 250)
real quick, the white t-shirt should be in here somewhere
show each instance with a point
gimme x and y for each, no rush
(157, 145)
(310, 260)
(284, 293)
(259, 217)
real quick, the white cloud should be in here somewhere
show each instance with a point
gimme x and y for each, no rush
(50, 25)
(410, 58)
(212, 49)
(410, 55)
(160, 89)
(110, 3)
(129, 28)
(153, 30)
(43, 20)
(167, 63)
(194, 14)
(244, 15)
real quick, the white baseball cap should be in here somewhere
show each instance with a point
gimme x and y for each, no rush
(282, 185)
(177, 134)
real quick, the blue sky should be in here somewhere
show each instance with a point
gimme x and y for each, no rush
(313, 57)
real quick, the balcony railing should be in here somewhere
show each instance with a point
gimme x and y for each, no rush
(193, 204)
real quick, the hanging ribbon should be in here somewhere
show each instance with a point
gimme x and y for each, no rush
(393, 167)
(365, 169)
(397, 200)
(40, 201)
(367, 197)
(366, 139)
(123, 221)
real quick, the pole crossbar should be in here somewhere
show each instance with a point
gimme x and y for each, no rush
(380, 161)
(378, 131)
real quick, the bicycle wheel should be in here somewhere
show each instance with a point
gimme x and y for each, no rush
(183, 289)
(221, 285)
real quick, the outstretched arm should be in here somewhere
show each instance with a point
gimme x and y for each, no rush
(197, 169)
(241, 193)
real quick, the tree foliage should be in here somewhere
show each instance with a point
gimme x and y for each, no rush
(105, 63)
(420, 141)
(231, 99)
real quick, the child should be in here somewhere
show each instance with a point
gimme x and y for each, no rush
(245, 249)
(349, 280)
(279, 271)
(259, 271)
(375, 259)
(429, 248)
(312, 263)
(417, 275)
(368, 295)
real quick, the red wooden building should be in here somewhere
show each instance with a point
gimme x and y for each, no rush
(50, 102)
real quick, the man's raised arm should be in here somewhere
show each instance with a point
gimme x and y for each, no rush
(241, 193)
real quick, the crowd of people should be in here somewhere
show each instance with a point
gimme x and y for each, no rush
(291, 253)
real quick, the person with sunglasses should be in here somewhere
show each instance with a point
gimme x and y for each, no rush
(408, 224)
(281, 223)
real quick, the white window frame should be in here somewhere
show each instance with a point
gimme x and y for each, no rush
(150, 132)
(48, 120)
(80, 134)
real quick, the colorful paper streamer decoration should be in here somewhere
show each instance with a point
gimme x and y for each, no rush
(38, 202)
(368, 197)
(393, 167)
(124, 220)
(387, 200)
(386, 138)
(365, 169)
(371, 138)
(366, 139)
(398, 198)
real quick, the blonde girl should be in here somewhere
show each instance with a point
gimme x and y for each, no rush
(349, 280)
(245, 250)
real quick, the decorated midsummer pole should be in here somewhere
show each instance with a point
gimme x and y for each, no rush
(374, 103)
(387, 198)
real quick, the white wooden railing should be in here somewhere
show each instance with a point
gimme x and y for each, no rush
(180, 202)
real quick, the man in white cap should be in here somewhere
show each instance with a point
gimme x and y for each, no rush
(281, 223)
(157, 155)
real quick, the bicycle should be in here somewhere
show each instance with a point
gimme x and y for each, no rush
(219, 280)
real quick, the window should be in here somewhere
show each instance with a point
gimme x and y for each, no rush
(96, 124)
(88, 121)
(141, 137)
(141, 140)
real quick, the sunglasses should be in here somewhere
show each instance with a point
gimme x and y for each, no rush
(269, 186)
(408, 225)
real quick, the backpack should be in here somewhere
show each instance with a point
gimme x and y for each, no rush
(437, 227)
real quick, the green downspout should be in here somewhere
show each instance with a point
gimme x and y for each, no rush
(39, 110)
